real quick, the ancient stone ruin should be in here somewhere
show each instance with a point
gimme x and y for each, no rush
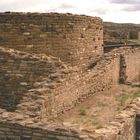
(121, 33)
(50, 63)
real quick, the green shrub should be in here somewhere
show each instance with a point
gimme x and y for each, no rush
(82, 112)
(136, 93)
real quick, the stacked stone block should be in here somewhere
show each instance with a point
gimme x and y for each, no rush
(20, 72)
(74, 39)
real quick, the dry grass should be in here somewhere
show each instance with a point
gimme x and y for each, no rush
(125, 98)
(100, 109)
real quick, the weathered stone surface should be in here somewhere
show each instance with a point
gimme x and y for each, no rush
(39, 87)
(72, 38)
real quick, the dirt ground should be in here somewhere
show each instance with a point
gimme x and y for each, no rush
(98, 110)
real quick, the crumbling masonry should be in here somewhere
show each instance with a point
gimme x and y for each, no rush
(49, 63)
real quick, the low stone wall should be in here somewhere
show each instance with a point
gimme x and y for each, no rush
(102, 76)
(28, 122)
(133, 66)
(122, 128)
(57, 93)
(10, 131)
(52, 99)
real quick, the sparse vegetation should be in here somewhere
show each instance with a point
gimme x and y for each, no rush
(126, 98)
(123, 98)
(99, 112)
(99, 126)
(88, 121)
(96, 123)
(136, 93)
(82, 111)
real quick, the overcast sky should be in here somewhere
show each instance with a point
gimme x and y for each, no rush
(110, 10)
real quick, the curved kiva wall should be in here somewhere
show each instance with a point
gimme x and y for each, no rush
(74, 39)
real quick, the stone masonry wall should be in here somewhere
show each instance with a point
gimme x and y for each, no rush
(28, 126)
(20, 72)
(64, 94)
(133, 67)
(11, 131)
(39, 87)
(101, 77)
(122, 128)
(77, 85)
(74, 39)
(88, 83)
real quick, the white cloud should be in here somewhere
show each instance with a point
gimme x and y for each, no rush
(125, 1)
(132, 8)
(66, 6)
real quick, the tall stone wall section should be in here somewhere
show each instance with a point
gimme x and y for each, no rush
(133, 67)
(20, 72)
(74, 39)
(139, 35)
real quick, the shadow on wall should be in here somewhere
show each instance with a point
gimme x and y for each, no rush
(11, 90)
(137, 127)
(19, 73)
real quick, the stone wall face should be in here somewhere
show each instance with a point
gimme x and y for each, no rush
(139, 35)
(74, 39)
(105, 74)
(133, 67)
(94, 81)
(20, 72)
(19, 132)
(41, 86)
(122, 128)
(61, 94)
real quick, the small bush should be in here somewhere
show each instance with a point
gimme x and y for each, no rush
(136, 93)
(125, 98)
(82, 112)
(98, 126)
(95, 122)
